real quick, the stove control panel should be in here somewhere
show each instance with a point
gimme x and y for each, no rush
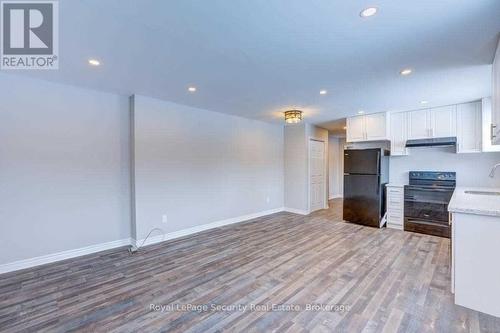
(433, 175)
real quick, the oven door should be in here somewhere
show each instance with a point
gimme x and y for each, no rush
(427, 203)
(435, 228)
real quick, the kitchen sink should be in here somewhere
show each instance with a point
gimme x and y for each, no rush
(482, 192)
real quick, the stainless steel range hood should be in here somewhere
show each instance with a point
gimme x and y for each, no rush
(434, 142)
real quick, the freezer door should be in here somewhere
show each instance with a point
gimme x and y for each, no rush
(366, 161)
(363, 199)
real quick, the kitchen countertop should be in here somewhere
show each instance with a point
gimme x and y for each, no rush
(476, 204)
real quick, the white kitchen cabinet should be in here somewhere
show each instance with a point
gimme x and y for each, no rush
(376, 127)
(398, 130)
(495, 107)
(432, 123)
(355, 129)
(372, 127)
(443, 122)
(487, 145)
(475, 246)
(395, 206)
(469, 128)
(419, 123)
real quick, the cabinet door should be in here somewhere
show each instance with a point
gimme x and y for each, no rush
(355, 129)
(376, 126)
(418, 124)
(398, 133)
(469, 127)
(495, 111)
(487, 144)
(444, 122)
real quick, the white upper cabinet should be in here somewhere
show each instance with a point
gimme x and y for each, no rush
(487, 129)
(398, 131)
(443, 122)
(469, 128)
(372, 127)
(495, 103)
(376, 127)
(432, 123)
(464, 121)
(419, 123)
(355, 129)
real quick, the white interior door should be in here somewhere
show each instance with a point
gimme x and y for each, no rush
(317, 174)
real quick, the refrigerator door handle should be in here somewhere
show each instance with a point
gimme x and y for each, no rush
(379, 167)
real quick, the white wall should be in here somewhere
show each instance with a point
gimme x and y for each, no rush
(471, 169)
(295, 162)
(64, 168)
(198, 167)
(336, 166)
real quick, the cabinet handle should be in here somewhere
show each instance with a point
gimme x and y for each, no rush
(492, 131)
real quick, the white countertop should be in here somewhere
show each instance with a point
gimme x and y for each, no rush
(476, 204)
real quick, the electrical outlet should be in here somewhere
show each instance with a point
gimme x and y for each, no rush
(164, 218)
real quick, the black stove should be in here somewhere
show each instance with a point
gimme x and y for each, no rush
(426, 202)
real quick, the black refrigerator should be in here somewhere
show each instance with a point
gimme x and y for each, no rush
(366, 171)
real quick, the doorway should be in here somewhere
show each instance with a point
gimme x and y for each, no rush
(317, 175)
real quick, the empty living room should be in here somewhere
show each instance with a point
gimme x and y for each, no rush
(250, 166)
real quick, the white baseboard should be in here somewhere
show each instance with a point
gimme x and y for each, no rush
(296, 211)
(32, 262)
(337, 196)
(203, 227)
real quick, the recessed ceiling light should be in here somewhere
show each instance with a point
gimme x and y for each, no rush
(361, 112)
(424, 102)
(367, 12)
(192, 89)
(94, 62)
(406, 71)
(323, 92)
(345, 127)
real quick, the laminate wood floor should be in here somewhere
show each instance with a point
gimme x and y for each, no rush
(321, 274)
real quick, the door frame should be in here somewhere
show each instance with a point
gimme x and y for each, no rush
(325, 173)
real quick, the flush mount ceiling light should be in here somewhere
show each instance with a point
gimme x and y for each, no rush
(323, 92)
(293, 116)
(192, 89)
(406, 71)
(424, 102)
(94, 62)
(367, 12)
(361, 112)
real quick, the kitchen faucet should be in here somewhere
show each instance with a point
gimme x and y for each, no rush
(492, 173)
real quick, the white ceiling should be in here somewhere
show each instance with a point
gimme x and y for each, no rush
(257, 58)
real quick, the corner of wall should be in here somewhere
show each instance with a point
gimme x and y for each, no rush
(133, 226)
